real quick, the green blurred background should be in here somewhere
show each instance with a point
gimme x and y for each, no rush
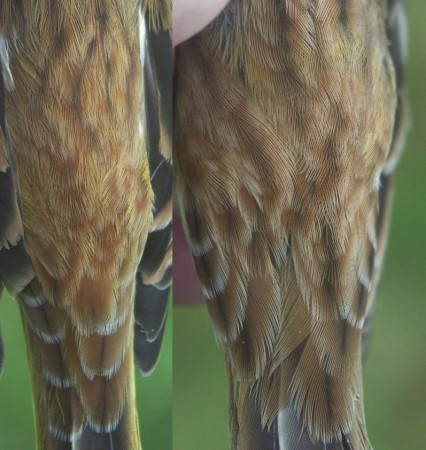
(395, 373)
(154, 393)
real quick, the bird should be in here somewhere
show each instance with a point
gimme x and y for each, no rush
(289, 120)
(85, 206)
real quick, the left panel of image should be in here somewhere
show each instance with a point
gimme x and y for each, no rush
(85, 225)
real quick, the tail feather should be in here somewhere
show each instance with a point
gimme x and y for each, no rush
(57, 444)
(54, 398)
(114, 440)
(82, 398)
(292, 435)
(286, 432)
(253, 435)
(65, 416)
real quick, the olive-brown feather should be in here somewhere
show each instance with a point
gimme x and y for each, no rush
(284, 116)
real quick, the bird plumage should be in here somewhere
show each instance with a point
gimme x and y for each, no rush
(79, 209)
(154, 274)
(284, 135)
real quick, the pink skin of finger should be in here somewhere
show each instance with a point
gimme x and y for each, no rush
(191, 16)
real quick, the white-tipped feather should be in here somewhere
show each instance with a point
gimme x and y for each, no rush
(110, 427)
(56, 381)
(63, 436)
(48, 338)
(108, 372)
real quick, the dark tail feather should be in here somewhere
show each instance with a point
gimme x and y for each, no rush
(293, 436)
(56, 444)
(252, 436)
(286, 433)
(99, 441)
(114, 440)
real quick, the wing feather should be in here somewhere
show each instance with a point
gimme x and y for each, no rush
(154, 273)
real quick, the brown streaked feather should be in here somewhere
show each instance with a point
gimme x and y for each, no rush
(57, 419)
(87, 201)
(159, 14)
(284, 116)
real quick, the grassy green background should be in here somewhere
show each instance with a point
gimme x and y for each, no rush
(395, 373)
(154, 393)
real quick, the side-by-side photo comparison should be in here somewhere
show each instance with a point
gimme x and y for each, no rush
(211, 225)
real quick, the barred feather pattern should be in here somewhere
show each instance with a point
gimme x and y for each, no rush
(80, 200)
(285, 126)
